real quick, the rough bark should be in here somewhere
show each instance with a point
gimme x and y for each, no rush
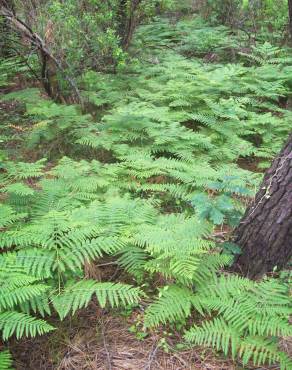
(127, 20)
(265, 232)
(5, 31)
(122, 16)
(290, 16)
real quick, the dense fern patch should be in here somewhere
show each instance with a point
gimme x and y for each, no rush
(144, 180)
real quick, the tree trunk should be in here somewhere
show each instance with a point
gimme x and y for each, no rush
(265, 232)
(5, 32)
(127, 21)
(290, 16)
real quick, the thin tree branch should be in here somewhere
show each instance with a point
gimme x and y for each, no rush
(35, 39)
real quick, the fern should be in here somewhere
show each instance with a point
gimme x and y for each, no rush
(174, 304)
(80, 294)
(249, 316)
(5, 360)
(267, 54)
(133, 260)
(8, 216)
(217, 334)
(62, 241)
(21, 324)
(22, 170)
(18, 189)
(249, 313)
(167, 145)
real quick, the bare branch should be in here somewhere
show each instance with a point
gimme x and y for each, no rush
(40, 44)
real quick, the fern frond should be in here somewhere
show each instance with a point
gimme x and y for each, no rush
(11, 297)
(269, 326)
(210, 264)
(20, 324)
(22, 170)
(174, 304)
(261, 350)
(8, 216)
(79, 295)
(132, 259)
(227, 286)
(5, 360)
(35, 262)
(38, 305)
(216, 333)
(73, 256)
(19, 189)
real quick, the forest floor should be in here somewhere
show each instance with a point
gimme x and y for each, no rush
(106, 344)
(95, 339)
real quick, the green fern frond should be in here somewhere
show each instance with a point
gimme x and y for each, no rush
(174, 232)
(133, 259)
(38, 305)
(79, 295)
(210, 264)
(73, 256)
(261, 350)
(21, 324)
(216, 333)
(21, 170)
(8, 216)
(11, 297)
(204, 118)
(270, 326)
(227, 286)
(5, 360)
(19, 189)
(33, 261)
(174, 304)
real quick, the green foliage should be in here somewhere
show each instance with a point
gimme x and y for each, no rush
(80, 294)
(9, 67)
(93, 35)
(174, 304)
(5, 360)
(216, 209)
(264, 20)
(144, 181)
(179, 250)
(42, 268)
(249, 317)
(190, 37)
(268, 54)
(22, 170)
(21, 325)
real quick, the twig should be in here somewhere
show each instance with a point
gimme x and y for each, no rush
(40, 45)
(180, 359)
(151, 357)
(108, 356)
(107, 264)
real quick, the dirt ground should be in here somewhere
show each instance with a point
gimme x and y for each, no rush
(96, 340)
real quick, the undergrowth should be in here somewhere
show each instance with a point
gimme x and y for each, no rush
(143, 181)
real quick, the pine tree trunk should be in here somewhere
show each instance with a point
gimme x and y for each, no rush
(290, 16)
(6, 32)
(265, 232)
(127, 21)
